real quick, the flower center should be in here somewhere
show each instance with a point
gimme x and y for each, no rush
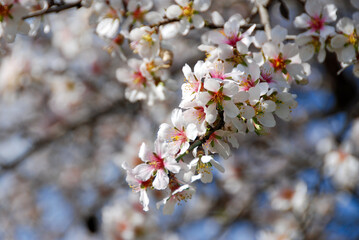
(342, 156)
(200, 114)
(287, 193)
(188, 11)
(150, 66)
(146, 184)
(179, 136)
(278, 63)
(139, 79)
(247, 83)
(157, 162)
(218, 97)
(353, 38)
(316, 23)
(70, 86)
(147, 38)
(138, 15)
(5, 11)
(232, 40)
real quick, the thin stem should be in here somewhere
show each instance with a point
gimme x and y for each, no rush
(52, 9)
(206, 24)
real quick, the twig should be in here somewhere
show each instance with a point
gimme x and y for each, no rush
(53, 8)
(206, 24)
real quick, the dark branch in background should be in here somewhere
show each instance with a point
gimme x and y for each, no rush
(115, 107)
(53, 8)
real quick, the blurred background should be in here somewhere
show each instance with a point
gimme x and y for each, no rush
(66, 128)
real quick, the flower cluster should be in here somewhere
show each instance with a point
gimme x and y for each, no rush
(233, 92)
(241, 87)
(319, 35)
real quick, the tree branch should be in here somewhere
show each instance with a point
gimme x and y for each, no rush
(206, 24)
(53, 8)
(44, 142)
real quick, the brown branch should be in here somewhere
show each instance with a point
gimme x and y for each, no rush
(164, 22)
(53, 9)
(206, 24)
(41, 143)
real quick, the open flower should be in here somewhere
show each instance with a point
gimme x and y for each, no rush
(145, 42)
(197, 115)
(180, 134)
(231, 33)
(346, 42)
(290, 198)
(138, 186)
(284, 62)
(109, 18)
(178, 193)
(193, 82)
(11, 22)
(158, 163)
(139, 87)
(246, 76)
(219, 95)
(320, 14)
(308, 45)
(187, 11)
(343, 168)
(285, 104)
(203, 166)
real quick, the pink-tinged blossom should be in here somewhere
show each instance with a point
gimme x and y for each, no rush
(11, 22)
(179, 134)
(246, 76)
(231, 33)
(267, 76)
(197, 115)
(138, 185)
(158, 164)
(285, 62)
(139, 87)
(319, 16)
